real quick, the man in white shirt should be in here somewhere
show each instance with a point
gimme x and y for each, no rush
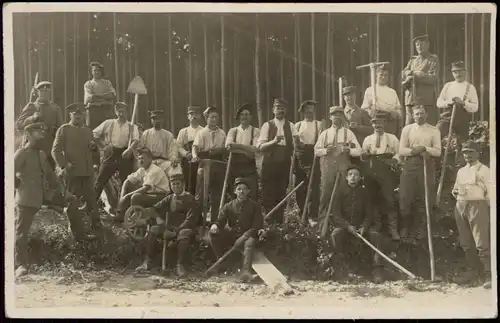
(185, 140)
(99, 96)
(242, 142)
(463, 95)
(380, 151)
(277, 141)
(387, 101)
(162, 144)
(335, 147)
(308, 130)
(418, 140)
(472, 215)
(145, 187)
(210, 152)
(117, 139)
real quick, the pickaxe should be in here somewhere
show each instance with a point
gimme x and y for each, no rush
(373, 75)
(33, 88)
(136, 87)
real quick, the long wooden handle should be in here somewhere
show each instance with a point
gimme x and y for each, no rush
(283, 200)
(226, 177)
(324, 229)
(134, 115)
(445, 158)
(164, 255)
(309, 189)
(392, 262)
(221, 259)
(428, 214)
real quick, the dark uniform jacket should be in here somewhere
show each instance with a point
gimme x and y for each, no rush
(243, 217)
(74, 144)
(183, 215)
(38, 177)
(364, 128)
(425, 85)
(352, 207)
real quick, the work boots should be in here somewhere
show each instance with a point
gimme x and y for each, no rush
(181, 251)
(247, 264)
(145, 266)
(472, 274)
(393, 226)
(487, 272)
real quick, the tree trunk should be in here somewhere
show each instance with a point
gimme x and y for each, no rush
(402, 92)
(65, 51)
(444, 51)
(115, 45)
(30, 67)
(257, 68)
(268, 82)
(481, 82)
(301, 89)
(205, 54)
(282, 68)
(170, 76)
(313, 58)
(75, 57)
(328, 77)
(89, 29)
(332, 66)
(155, 87)
(190, 65)
(52, 54)
(26, 80)
(223, 75)
(411, 34)
(215, 72)
(377, 48)
(295, 71)
(236, 70)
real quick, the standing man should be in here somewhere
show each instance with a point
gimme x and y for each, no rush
(387, 101)
(162, 144)
(420, 76)
(117, 138)
(308, 131)
(242, 142)
(209, 151)
(463, 95)
(277, 141)
(74, 151)
(358, 120)
(45, 111)
(185, 140)
(380, 151)
(99, 96)
(419, 140)
(335, 146)
(472, 214)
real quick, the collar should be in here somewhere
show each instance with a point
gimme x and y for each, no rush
(476, 165)
(333, 127)
(354, 187)
(247, 128)
(118, 121)
(307, 121)
(279, 121)
(381, 134)
(215, 130)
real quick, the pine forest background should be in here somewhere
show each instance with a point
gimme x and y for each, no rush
(227, 59)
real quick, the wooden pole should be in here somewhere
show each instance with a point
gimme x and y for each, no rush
(377, 48)
(223, 75)
(155, 87)
(190, 65)
(256, 71)
(429, 227)
(301, 88)
(481, 71)
(170, 75)
(205, 54)
(313, 59)
(268, 94)
(115, 46)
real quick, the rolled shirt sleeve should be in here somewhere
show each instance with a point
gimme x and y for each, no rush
(264, 134)
(319, 147)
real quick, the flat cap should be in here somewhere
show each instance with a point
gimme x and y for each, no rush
(76, 107)
(208, 111)
(421, 38)
(120, 105)
(457, 66)
(348, 89)
(156, 113)
(470, 146)
(43, 84)
(279, 101)
(40, 126)
(379, 115)
(336, 110)
(241, 180)
(307, 103)
(176, 177)
(352, 166)
(241, 107)
(144, 150)
(382, 68)
(96, 64)
(194, 109)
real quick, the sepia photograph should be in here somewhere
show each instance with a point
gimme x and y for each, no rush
(250, 160)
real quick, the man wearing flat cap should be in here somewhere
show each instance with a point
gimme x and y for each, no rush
(335, 147)
(209, 150)
(472, 214)
(162, 144)
(117, 138)
(308, 131)
(185, 140)
(358, 120)
(461, 94)
(242, 142)
(277, 142)
(420, 76)
(99, 96)
(240, 223)
(75, 151)
(45, 111)
(380, 152)
(387, 101)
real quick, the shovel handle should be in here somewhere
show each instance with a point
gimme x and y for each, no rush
(428, 214)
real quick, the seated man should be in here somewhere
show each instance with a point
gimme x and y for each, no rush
(145, 187)
(239, 223)
(176, 218)
(353, 215)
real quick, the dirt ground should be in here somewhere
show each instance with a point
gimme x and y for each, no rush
(129, 290)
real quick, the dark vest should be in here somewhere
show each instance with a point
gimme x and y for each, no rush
(273, 130)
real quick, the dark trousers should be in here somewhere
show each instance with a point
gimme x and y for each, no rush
(349, 246)
(110, 165)
(142, 199)
(274, 185)
(460, 124)
(24, 219)
(224, 240)
(81, 187)
(209, 186)
(182, 239)
(302, 173)
(98, 114)
(190, 171)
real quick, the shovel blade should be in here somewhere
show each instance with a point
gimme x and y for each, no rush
(137, 86)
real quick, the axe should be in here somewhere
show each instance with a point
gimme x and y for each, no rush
(373, 75)
(136, 87)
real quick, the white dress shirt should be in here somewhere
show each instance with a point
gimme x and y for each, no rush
(389, 143)
(116, 134)
(458, 89)
(473, 182)
(414, 135)
(153, 176)
(243, 136)
(307, 130)
(387, 100)
(160, 142)
(207, 139)
(336, 135)
(264, 133)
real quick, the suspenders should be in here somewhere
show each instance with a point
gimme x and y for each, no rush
(316, 135)
(110, 134)
(336, 139)
(252, 129)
